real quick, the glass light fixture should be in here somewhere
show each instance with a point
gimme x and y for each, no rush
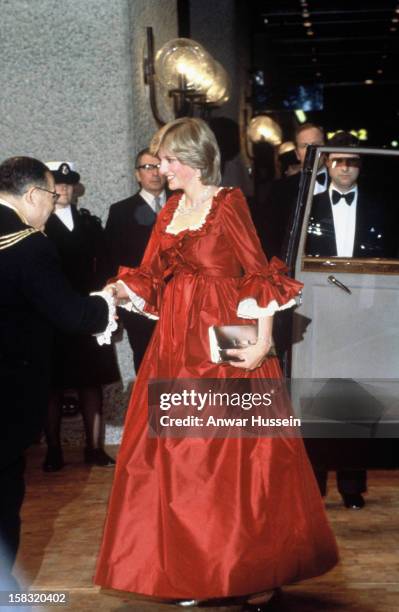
(188, 74)
(264, 129)
(286, 147)
(184, 64)
(219, 91)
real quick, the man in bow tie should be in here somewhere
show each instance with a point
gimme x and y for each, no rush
(345, 221)
(128, 229)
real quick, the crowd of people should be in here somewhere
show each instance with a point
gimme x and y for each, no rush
(189, 519)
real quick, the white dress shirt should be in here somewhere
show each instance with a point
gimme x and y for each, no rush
(344, 222)
(65, 215)
(150, 198)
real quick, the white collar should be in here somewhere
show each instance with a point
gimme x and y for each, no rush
(65, 216)
(149, 197)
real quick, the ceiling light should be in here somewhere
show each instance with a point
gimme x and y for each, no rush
(305, 14)
(380, 71)
(300, 115)
(318, 74)
(395, 20)
(368, 81)
(310, 32)
(392, 29)
(314, 59)
(265, 20)
(394, 143)
(307, 24)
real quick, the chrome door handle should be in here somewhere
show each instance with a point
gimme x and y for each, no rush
(331, 279)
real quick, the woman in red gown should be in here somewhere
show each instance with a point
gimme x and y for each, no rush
(207, 518)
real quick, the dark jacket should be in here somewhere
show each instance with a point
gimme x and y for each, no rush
(78, 360)
(35, 298)
(128, 230)
(82, 251)
(370, 231)
(274, 216)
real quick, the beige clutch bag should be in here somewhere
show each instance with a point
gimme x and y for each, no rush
(223, 337)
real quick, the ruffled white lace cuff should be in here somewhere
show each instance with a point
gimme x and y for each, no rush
(105, 336)
(135, 303)
(249, 309)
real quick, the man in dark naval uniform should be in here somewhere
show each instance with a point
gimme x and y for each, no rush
(35, 298)
(128, 229)
(79, 362)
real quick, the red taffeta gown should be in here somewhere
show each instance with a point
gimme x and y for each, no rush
(204, 518)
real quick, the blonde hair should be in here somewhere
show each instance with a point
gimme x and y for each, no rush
(194, 144)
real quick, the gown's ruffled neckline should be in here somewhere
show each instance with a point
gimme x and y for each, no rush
(173, 205)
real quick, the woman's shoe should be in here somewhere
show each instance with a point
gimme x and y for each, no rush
(54, 460)
(260, 606)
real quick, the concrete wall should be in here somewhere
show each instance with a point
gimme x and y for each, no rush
(72, 88)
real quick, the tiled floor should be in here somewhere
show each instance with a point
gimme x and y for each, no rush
(62, 522)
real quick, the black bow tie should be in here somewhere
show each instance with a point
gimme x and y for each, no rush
(321, 178)
(348, 197)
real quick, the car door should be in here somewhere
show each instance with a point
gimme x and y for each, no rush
(346, 328)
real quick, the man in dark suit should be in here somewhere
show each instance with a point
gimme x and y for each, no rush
(128, 229)
(35, 298)
(274, 216)
(345, 222)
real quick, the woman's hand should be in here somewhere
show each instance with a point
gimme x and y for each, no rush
(117, 290)
(250, 357)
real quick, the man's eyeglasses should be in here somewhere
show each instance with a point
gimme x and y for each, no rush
(55, 195)
(350, 162)
(148, 167)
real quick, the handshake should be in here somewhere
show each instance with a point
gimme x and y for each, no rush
(115, 295)
(117, 291)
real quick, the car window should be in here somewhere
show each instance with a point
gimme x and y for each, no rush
(353, 216)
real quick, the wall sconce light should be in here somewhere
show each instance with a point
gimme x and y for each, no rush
(286, 147)
(264, 129)
(195, 81)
